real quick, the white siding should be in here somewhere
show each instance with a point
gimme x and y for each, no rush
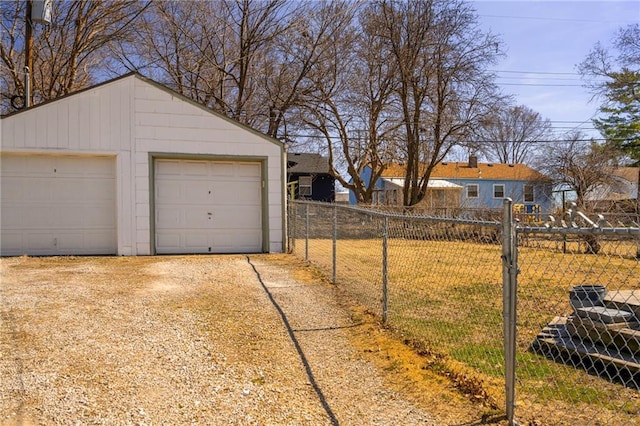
(131, 119)
(83, 122)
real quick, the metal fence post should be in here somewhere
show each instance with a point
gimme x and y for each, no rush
(385, 299)
(306, 234)
(509, 294)
(335, 238)
(293, 227)
(289, 225)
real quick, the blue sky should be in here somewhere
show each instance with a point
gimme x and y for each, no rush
(544, 42)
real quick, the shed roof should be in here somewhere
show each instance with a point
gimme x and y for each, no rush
(307, 163)
(461, 170)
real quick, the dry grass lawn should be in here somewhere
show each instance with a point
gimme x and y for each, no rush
(445, 298)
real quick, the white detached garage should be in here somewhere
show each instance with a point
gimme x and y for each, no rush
(131, 168)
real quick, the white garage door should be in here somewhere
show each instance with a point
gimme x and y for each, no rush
(57, 205)
(208, 206)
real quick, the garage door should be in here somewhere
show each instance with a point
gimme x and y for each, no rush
(208, 206)
(57, 205)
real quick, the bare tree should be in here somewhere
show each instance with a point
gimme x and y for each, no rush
(409, 88)
(351, 102)
(608, 64)
(509, 134)
(628, 44)
(579, 165)
(444, 87)
(247, 59)
(583, 168)
(67, 55)
(182, 45)
(294, 64)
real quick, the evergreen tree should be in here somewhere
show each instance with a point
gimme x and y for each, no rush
(621, 123)
(616, 80)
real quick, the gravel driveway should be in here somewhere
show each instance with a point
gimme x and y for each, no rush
(182, 340)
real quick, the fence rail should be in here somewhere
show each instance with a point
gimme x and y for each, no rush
(487, 297)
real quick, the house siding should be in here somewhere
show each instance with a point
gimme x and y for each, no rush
(366, 177)
(512, 189)
(322, 187)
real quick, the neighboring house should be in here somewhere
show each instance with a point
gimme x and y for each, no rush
(309, 174)
(441, 194)
(619, 194)
(130, 167)
(472, 185)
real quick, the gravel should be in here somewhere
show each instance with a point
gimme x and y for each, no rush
(182, 340)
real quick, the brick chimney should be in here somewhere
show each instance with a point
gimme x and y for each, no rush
(473, 162)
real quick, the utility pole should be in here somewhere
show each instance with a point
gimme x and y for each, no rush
(36, 11)
(28, 58)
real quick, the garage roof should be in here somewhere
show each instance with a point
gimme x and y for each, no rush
(159, 86)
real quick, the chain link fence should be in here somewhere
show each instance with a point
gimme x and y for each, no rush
(450, 286)
(578, 340)
(436, 281)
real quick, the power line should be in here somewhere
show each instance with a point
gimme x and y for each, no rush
(577, 127)
(541, 78)
(535, 72)
(573, 128)
(541, 84)
(568, 121)
(541, 141)
(542, 18)
(583, 82)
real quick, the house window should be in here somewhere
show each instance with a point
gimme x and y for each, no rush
(498, 191)
(304, 186)
(472, 191)
(528, 194)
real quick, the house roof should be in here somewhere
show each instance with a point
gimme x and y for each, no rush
(307, 163)
(622, 186)
(432, 184)
(627, 173)
(461, 170)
